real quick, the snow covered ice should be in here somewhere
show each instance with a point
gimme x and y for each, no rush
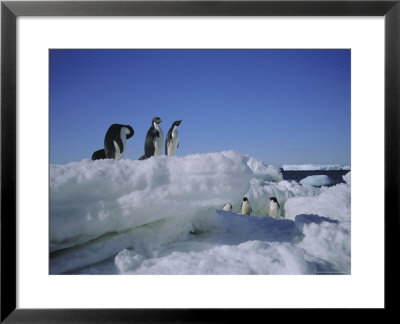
(163, 216)
(316, 180)
(306, 167)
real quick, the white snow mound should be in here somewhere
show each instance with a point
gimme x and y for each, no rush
(263, 171)
(91, 198)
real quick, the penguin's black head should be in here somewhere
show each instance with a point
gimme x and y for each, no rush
(131, 131)
(157, 120)
(273, 199)
(245, 199)
(177, 122)
(116, 129)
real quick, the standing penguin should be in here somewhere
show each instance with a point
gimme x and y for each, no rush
(172, 140)
(245, 208)
(114, 142)
(154, 141)
(274, 208)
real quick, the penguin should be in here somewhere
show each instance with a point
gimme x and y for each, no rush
(227, 207)
(172, 140)
(245, 208)
(154, 141)
(114, 142)
(274, 208)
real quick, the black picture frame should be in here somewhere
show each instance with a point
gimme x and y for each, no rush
(10, 10)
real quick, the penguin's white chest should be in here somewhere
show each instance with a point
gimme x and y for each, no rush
(274, 209)
(245, 208)
(227, 207)
(158, 141)
(119, 154)
(173, 142)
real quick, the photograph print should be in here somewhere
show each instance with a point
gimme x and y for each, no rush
(200, 161)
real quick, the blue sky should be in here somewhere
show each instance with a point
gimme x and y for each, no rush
(281, 106)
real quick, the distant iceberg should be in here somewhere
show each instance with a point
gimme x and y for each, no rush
(316, 180)
(311, 167)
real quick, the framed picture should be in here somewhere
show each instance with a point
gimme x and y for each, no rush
(197, 149)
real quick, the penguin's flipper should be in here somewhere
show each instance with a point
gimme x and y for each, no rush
(156, 133)
(177, 145)
(143, 157)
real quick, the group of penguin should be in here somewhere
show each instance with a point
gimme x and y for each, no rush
(245, 209)
(117, 134)
(115, 145)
